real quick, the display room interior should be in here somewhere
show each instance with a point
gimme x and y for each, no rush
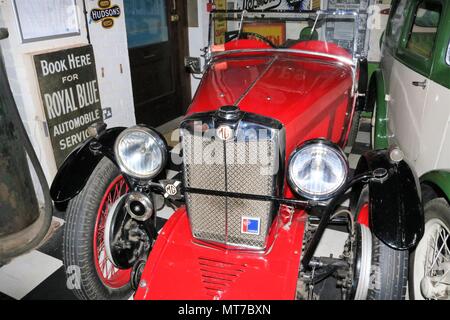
(257, 150)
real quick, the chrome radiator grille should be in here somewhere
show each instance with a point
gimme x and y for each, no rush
(235, 168)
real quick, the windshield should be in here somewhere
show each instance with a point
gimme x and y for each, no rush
(327, 32)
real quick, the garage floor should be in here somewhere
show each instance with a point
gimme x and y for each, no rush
(40, 274)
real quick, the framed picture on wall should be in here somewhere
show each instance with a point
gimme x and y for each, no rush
(46, 19)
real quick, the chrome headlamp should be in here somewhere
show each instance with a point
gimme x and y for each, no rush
(141, 153)
(317, 170)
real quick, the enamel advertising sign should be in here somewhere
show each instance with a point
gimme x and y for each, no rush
(70, 95)
(273, 4)
(106, 13)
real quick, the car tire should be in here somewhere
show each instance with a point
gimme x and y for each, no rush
(389, 274)
(355, 129)
(389, 267)
(437, 214)
(428, 193)
(82, 259)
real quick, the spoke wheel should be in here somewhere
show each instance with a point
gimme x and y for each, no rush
(431, 259)
(363, 262)
(108, 273)
(90, 274)
(388, 268)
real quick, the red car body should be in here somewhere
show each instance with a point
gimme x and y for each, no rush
(264, 176)
(312, 96)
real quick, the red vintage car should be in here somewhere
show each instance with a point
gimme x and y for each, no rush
(263, 177)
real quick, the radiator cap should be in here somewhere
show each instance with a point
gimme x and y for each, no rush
(229, 112)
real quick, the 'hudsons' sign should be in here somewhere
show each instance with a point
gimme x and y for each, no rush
(99, 14)
(261, 4)
(106, 13)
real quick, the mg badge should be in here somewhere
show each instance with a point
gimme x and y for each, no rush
(225, 133)
(171, 190)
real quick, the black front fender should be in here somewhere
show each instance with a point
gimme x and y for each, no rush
(395, 205)
(79, 165)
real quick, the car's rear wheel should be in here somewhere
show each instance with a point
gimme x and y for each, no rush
(355, 128)
(84, 246)
(430, 262)
(388, 267)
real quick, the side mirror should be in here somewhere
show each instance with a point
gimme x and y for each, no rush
(193, 65)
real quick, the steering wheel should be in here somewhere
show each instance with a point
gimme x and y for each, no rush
(249, 35)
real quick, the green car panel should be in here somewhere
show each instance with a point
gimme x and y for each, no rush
(439, 179)
(380, 132)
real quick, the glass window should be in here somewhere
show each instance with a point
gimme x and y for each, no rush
(287, 29)
(424, 30)
(146, 22)
(397, 21)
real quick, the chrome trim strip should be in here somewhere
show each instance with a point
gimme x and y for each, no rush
(269, 50)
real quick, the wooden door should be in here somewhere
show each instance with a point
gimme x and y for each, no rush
(157, 42)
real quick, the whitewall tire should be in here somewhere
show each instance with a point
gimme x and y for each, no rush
(430, 262)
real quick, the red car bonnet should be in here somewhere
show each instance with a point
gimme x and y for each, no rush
(309, 95)
(179, 268)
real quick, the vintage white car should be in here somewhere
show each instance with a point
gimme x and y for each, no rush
(410, 96)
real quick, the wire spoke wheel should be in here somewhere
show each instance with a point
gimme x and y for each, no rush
(434, 254)
(84, 245)
(386, 269)
(108, 273)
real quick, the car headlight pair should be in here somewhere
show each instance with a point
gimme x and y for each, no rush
(318, 170)
(141, 153)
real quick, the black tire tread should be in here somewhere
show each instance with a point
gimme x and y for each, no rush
(389, 275)
(438, 208)
(78, 235)
(428, 193)
(389, 272)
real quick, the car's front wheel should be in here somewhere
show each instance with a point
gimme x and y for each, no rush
(84, 250)
(389, 273)
(430, 262)
(384, 275)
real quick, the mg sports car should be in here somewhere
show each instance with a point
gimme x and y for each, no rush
(263, 176)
